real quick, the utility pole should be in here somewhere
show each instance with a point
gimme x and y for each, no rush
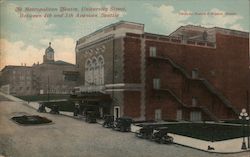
(248, 123)
(48, 88)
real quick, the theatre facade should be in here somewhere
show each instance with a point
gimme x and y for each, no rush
(195, 73)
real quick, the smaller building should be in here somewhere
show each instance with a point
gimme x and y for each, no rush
(17, 80)
(54, 77)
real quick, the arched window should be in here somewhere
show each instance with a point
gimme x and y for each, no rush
(88, 72)
(95, 70)
(101, 70)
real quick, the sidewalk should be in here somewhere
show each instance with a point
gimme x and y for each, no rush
(226, 146)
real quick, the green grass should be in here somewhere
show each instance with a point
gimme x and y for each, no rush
(238, 121)
(208, 132)
(44, 97)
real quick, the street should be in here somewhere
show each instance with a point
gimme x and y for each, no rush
(68, 137)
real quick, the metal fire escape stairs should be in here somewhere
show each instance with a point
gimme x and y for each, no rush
(204, 109)
(206, 83)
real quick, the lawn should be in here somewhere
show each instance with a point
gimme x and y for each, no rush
(208, 131)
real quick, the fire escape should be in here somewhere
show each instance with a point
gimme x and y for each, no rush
(203, 81)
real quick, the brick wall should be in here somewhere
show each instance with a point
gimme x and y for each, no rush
(132, 61)
(225, 67)
(132, 103)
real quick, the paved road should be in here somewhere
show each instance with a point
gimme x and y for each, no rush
(68, 137)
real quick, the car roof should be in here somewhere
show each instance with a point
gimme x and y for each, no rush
(125, 118)
(161, 128)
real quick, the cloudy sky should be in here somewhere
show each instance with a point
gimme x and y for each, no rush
(23, 40)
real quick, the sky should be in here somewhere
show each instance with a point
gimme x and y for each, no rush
(23, 40)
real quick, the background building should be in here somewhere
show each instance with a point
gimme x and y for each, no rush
(16, 80)
(195, 73)
(55, 77)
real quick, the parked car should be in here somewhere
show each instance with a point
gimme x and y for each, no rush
(123, 124)
(90, 117)
(160, 135)
(77, 110)
(55, 109)
(145, 132)
(108, 121)
(41, 108)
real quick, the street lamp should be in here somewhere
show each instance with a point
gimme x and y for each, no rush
(244, 117)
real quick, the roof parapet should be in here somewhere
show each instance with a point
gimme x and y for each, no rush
(118, 29)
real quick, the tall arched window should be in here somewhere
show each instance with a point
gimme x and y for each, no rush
(88, 72)
(101, 69)
(95, 70)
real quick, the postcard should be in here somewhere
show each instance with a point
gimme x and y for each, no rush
(135, 78)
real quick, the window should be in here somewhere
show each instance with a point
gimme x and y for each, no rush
(22, 77)
(94, 71)
(152, 51)
(158, 114)
(194, 73)
(195, 116)
(88, 72)
(101, 70)
(70, 77)
(194, 101)
(179, 115)
(41, 91)
(156, 83)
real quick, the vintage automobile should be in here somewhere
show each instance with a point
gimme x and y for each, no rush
(90, 117)
(145, 132)
(123, 124)
(160, 135)
(54, 109)
(76, 110)
(41, 108)
(108, 121)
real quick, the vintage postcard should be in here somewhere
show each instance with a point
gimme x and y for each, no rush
(135, 78)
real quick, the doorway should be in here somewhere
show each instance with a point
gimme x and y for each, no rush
(195, 116)
(158, 114)
(179, 115)
(116, 112)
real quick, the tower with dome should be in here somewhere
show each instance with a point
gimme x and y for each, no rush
(48, 57)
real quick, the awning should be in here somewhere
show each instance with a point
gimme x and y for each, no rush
(92, 97)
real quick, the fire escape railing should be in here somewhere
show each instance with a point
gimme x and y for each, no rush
(204, 109)
(203, 81)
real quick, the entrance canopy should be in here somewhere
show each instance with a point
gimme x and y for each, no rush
(97, 97)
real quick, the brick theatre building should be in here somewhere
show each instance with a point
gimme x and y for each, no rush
(195, 73)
